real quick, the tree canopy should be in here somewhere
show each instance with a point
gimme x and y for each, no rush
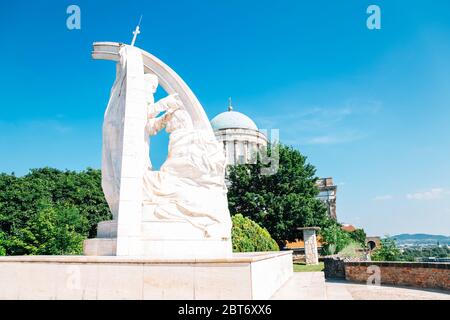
(280, 202)
(388, 251)
(50, 211)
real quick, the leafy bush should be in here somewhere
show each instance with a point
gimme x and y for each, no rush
(359, 236)
(334, 239)
(387, 252)
(329, 249)
(2, 244)
(352, 250)
(248, 236)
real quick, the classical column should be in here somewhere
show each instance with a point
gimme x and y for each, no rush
(246, 152)
(310, 240)
(236, 160)
(253, 153)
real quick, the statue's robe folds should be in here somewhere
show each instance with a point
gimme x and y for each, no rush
(190, 185)
(112, 142)
(125, 145)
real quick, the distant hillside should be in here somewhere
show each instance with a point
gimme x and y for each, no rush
(420, 239)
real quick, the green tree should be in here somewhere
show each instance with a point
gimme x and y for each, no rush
(280, 202)
(359, 236)
(3, 244)
(418, 253)
(387, 252)
(52, 231)
(334, 239)
(248, 236)
(38, 200)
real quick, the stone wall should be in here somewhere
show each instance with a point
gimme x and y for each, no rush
(334, 267)
(422, 275)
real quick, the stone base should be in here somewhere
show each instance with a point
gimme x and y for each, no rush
(243, 276)
(107, 229)
(161, 249)
(158, 240)
(100, 247)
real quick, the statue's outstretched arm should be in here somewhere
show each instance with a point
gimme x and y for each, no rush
(170, 104)
(156, 124)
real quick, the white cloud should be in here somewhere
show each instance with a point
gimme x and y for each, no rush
(383, 198)
(336, 138)
(433, 194)
(320, 125)
(322, 140)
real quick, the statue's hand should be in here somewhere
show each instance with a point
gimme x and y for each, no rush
(174, 103)
(170, 103)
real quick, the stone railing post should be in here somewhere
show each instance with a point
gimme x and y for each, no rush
(310, 240)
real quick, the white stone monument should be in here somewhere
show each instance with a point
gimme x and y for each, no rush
(180, 211)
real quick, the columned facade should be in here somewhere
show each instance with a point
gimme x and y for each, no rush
(240, 145)
(240, 136)
(327, 194)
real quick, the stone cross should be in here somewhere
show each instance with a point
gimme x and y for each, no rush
(310, 240)
(230, 105)
(136, 32)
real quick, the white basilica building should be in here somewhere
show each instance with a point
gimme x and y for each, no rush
(240, 136)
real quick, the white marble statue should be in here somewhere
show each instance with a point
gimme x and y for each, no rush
(190, 185)
(180, 211)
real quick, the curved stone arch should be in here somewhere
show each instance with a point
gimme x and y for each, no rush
(169, 80)
(371, 245)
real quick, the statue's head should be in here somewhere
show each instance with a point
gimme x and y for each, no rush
(151, 81)
(179, 119)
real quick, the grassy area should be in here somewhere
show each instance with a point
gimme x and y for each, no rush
(301, 267)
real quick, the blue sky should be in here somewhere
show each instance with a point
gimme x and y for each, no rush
(370, 108)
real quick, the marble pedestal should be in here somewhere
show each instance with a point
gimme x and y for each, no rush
(242, 276)
(158, 240)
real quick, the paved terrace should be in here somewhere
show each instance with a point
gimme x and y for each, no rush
(312, 286)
